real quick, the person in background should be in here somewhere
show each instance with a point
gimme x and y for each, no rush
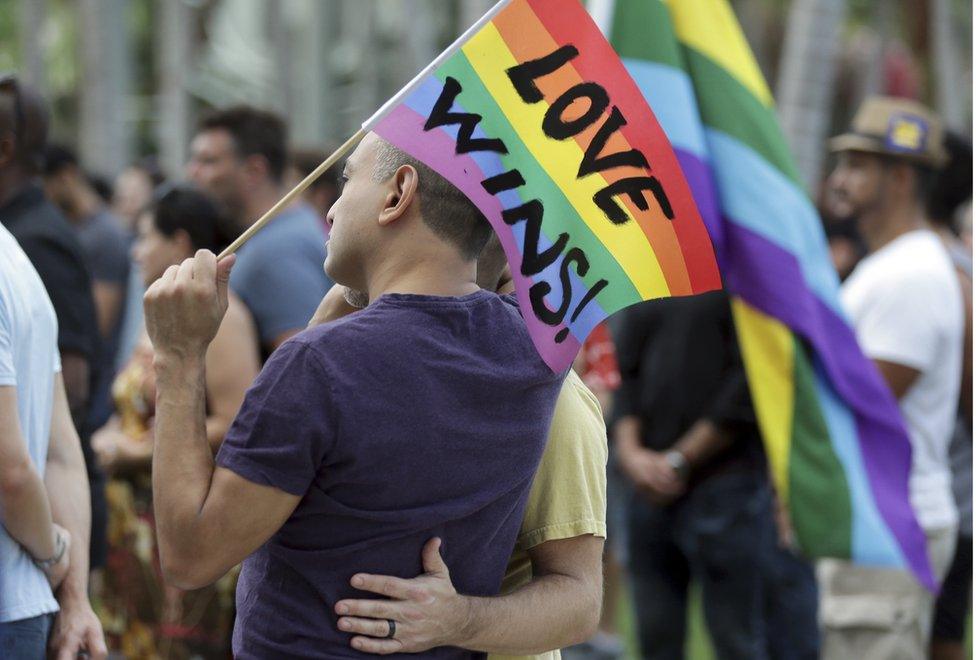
(952, 189)
(843, 239)
(239, 157)
(133, 190)
(55, 252)
(322, 194)
(963, 223)
(555, 565)
(43, 486)
(702, 507)
(102, 187)
(142, 616)
(905, 304)
(105, 246)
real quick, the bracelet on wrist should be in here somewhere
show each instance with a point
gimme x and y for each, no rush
(59, 547)
(678, 463)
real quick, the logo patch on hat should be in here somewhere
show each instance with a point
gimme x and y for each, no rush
(906, 133)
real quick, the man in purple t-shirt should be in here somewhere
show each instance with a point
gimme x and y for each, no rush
(424, 415)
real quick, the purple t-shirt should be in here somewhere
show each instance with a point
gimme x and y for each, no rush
(419, 416)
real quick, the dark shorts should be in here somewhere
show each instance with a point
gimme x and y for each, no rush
(954, 600)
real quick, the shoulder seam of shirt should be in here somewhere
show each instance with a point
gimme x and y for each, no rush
(560, 531)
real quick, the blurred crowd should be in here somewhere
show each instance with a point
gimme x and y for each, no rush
(690, 500)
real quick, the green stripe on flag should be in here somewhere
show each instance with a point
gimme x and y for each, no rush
(818, 485)
(631, 34)
(727, 106)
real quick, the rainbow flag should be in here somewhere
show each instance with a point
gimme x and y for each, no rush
(533, 116)
(837, 446)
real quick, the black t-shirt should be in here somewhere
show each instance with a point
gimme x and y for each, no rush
(53, 248)
(679, 363)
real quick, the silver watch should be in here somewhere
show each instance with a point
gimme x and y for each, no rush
(678, 463)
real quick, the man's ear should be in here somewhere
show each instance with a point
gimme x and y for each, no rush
(402, 194)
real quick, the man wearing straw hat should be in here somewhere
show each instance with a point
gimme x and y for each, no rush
(424, 415)
(905, 304)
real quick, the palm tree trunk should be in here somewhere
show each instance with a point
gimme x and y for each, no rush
(805, 88)
(949, 87)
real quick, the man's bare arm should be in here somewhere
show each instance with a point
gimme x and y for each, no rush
(76, 374)
(702, 441)
(26, 511)
(899, 377)
(108, 304)
(67, 489)
(77, 628)
(207, 519)
(559, 607)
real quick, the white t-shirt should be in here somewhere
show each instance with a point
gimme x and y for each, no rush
(28, 362)
(906, 306)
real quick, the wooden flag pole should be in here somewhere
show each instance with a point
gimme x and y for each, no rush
(295, 192)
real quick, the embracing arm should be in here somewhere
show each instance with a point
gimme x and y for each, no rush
(559, 607)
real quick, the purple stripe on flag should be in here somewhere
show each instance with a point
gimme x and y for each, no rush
(778, 289)
(702, 185)
(405, 128)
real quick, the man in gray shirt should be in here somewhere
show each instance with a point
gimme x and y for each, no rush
(239, 157)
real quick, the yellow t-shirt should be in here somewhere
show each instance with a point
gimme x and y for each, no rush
(569, 493)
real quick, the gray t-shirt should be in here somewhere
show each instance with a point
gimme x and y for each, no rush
(279, 273)
(28, 362)
(105, 246)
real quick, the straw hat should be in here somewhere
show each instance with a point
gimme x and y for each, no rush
(898, 128)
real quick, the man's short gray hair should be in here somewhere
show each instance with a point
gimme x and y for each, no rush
(444, 208)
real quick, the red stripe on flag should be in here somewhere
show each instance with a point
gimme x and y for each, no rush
(568, 22)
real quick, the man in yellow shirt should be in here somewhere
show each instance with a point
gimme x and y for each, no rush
(552, 591)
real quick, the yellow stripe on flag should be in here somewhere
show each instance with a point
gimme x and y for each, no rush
(768, 353)
(710, 27)
(490, 58)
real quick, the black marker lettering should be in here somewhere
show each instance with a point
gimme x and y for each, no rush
(590, 295)
(501, 182)
(524, 75)
(556, 127)
(441, 115)
(539, 290)
(594, 162)
(633, 187)
(533, 261)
